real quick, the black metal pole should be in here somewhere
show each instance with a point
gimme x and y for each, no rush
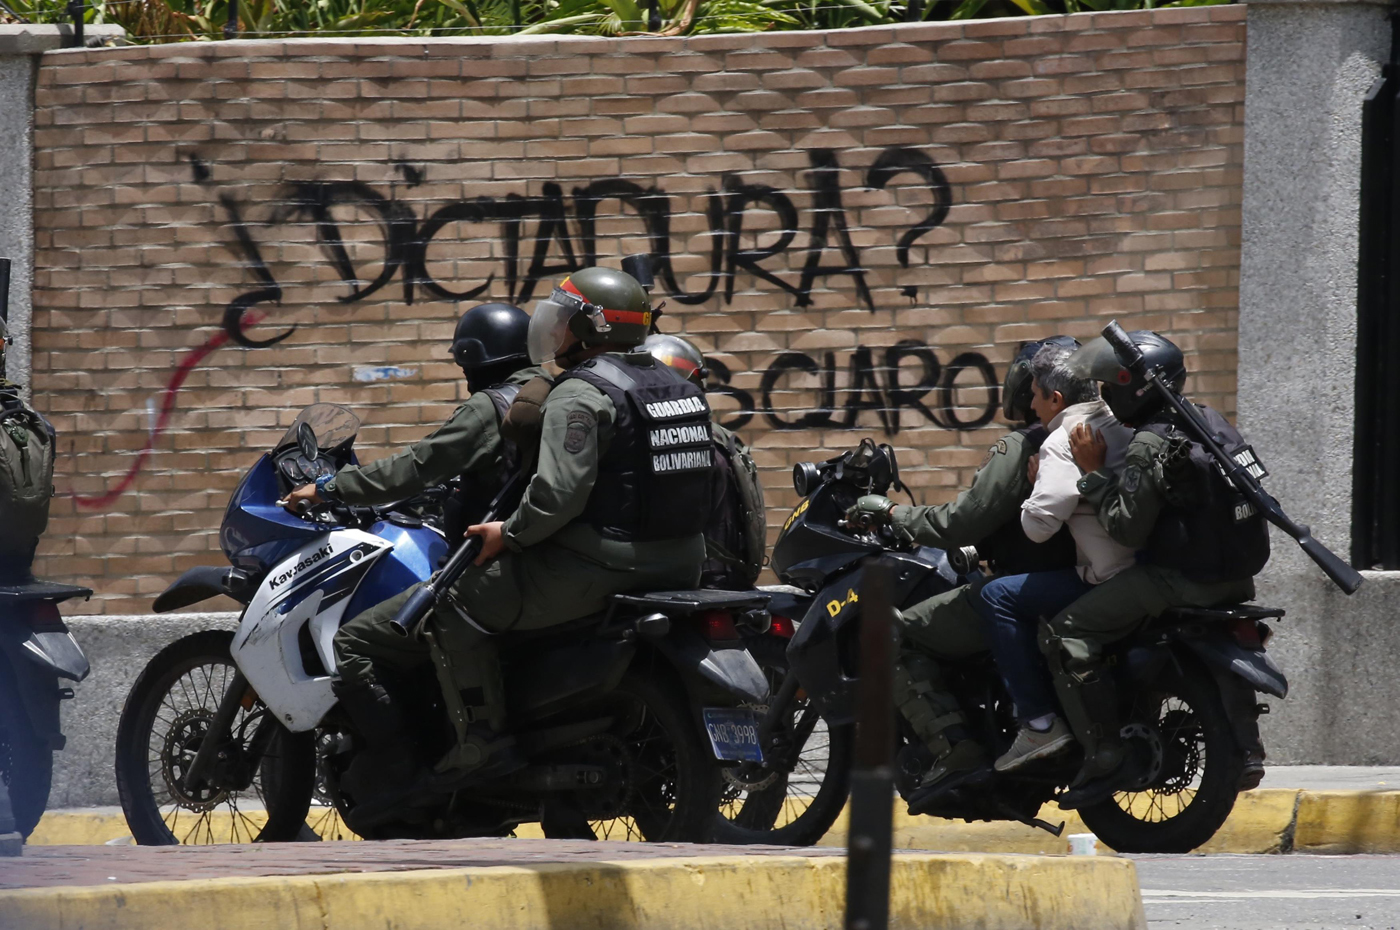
(5, 316)
(872, 776)
(75, 13)
(653, 17)
(231, 25)
(915, 11)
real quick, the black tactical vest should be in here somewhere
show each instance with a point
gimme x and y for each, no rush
(1011, 552)
(476, 491)
(1210, 532)
(654, 479)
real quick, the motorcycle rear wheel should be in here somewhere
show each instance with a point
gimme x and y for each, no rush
(1200, 772)
(166, 716)
(26, 761)
(673, 786)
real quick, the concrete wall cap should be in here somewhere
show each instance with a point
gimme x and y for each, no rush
(36, 38)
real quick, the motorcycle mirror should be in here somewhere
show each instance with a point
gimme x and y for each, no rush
(306, 442)
(639, 267)
(805, 478)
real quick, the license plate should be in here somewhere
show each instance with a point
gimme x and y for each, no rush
(733, 733)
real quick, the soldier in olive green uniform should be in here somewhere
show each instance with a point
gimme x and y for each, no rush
(946, 627)
(613, 505)
(1199, 545)
(736, 534)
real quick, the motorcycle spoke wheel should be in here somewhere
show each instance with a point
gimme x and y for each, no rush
(1192, 768)
(254, 795)
(757, 797)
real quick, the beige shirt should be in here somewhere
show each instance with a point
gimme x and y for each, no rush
(1055, 502)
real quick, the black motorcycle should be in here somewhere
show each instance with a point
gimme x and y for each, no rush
(1187, 684)
(36, 651)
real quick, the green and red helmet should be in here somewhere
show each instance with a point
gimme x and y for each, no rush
(680, 354)
(600, 306)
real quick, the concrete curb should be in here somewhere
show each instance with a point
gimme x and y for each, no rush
(721, 893)
(1267, 820)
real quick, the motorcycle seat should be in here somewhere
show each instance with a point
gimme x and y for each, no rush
(1226, 613)
(691, 601)
(37, 590)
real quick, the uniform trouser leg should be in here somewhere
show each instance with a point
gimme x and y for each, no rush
(1074, 641)
(943, 627)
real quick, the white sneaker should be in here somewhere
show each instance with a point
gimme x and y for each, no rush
(1034, 744)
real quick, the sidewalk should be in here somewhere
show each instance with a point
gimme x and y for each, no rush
(492, 884)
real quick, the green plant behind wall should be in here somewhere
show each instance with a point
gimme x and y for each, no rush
(203, 20)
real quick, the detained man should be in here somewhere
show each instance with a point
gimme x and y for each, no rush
(1012, 606)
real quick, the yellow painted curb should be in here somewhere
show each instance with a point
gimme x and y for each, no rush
(719, 893)
(1258, 824)
(1348, 822)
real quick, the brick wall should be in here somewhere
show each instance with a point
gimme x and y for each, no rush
(861, 226)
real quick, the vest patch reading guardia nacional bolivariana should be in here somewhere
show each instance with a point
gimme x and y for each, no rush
(686, 406)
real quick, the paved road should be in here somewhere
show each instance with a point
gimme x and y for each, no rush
(1270, 892)
(1333, 777)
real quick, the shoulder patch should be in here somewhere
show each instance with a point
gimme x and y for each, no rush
(1132, 478)
(999, 448)
(580, 424)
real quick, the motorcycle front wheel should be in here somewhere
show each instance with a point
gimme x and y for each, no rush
(166, 717)
(1179, 727)
(796, 802)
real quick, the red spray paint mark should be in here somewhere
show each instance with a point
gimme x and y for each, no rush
(192, 360)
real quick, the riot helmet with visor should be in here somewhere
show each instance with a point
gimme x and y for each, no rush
(1128, 395)
(599, 306)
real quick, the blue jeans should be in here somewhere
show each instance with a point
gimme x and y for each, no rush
(1012, 607)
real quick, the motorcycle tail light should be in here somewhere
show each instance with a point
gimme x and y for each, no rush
(782, 626)
(1246, 633)
(718, 624)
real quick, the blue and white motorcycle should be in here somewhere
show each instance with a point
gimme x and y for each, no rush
(627, 718)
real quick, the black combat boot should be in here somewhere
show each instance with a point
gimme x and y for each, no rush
(386, 773)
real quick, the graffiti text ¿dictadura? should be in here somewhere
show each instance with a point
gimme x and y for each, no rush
(932, 394)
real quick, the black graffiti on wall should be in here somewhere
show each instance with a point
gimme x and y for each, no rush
(882, 387)
(553, 250)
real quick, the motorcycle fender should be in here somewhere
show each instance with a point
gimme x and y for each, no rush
(734, 670)
(38, 689)
(1253, 665)
(41, 637)
(196, 584)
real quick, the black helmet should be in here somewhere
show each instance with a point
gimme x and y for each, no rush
(1132, 399)
(490, 343)
(600, 306)
(680, 355)
(1016, 389)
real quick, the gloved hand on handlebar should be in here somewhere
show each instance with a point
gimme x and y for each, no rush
(872, 510)
(302, 499)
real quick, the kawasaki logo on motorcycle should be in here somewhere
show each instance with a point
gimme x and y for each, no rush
(312, 559)
(686, 406)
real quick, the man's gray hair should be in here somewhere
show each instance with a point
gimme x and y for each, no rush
(1051, 374)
